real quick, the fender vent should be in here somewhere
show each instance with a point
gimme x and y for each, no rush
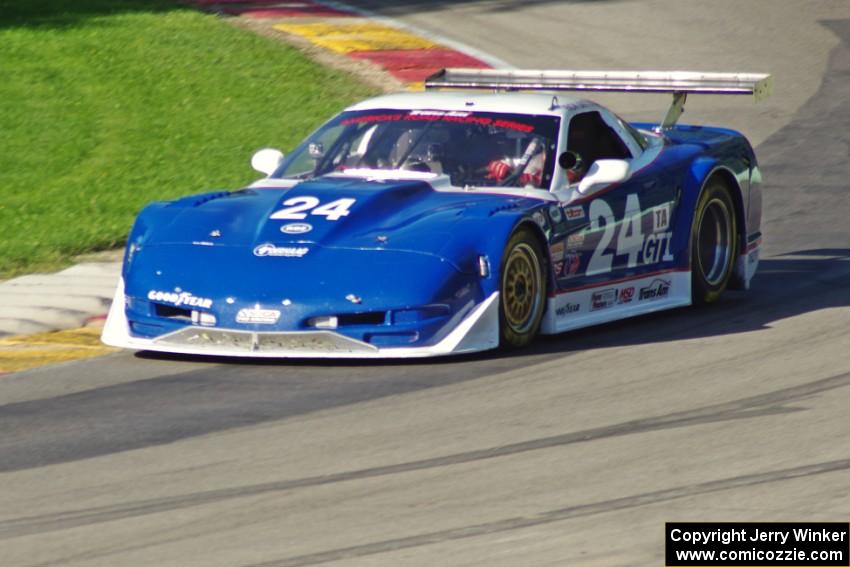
(505, 207)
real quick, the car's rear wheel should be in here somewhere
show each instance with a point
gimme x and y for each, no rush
(523, 289)
(714, 243)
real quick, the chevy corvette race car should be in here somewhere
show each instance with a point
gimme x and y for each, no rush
(452, 221)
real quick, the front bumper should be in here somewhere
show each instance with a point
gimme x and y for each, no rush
(477, 331)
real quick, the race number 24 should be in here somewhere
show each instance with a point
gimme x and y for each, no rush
(640, 248)
(297, 209)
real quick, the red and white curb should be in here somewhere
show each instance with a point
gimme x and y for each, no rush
(407, 53)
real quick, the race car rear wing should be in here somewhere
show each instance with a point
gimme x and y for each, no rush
(679, 83)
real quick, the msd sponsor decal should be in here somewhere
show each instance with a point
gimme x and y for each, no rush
(179, 298)
(655, 290)
(626, 295)
(603, 299)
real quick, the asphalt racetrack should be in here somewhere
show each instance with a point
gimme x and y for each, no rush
(573, 452)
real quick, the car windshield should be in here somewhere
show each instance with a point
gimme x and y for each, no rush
(472, 148)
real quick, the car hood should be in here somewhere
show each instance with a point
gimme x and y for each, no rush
(400, 243)
(369, 215)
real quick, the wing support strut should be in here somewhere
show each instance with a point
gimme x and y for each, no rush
(677, 108)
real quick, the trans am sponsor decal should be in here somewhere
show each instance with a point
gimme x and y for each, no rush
(179, 298)
(656, 290)
(296, 228)
(260, 316)
(269, 249)
(603, 299)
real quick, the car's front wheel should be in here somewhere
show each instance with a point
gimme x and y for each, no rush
(714, 243)
(523, 289)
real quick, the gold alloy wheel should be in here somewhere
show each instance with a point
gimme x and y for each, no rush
(521, 288)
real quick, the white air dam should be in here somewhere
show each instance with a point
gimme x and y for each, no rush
(477, 329)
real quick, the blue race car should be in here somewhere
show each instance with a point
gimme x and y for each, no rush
(453, 221)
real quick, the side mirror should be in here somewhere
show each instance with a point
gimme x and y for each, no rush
(568, 160)
(267, 160)
(602, 173)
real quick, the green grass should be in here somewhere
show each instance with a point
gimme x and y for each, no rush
(106, 105)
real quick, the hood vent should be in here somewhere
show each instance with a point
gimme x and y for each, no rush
(198, 200)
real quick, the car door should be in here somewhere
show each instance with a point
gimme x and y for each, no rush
(620, 229)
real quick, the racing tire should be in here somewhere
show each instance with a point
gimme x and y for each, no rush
(523, 290)
(714, 243)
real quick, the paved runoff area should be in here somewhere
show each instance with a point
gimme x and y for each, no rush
(34, 308)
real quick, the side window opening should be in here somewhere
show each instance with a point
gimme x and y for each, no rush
(592, 138)
(639, 138)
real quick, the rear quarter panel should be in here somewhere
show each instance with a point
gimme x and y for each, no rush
(724, 152)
